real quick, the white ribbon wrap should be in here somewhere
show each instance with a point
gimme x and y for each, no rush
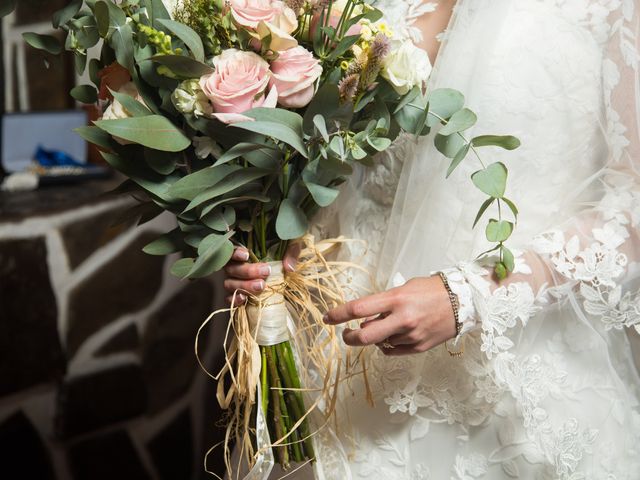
(270, 318)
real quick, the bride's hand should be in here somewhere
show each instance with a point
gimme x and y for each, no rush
(250, 277)
(412, 318)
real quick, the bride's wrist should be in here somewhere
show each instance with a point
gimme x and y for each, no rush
(466, 312)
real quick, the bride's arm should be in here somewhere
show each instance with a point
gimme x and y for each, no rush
(432, 24)
(592, 262)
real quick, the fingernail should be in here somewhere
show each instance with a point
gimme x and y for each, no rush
(265, 271)
(289, 266)
(241, 298)
(243, 254)
(325, 319)
(257, 286)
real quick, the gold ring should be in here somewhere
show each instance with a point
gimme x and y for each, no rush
(387, 345)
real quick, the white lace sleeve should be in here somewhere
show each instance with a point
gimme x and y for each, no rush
(593, 259)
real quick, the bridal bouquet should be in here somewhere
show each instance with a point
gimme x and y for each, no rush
(242, 118)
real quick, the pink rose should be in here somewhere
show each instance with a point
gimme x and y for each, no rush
(267, 18)
(295, 72)
(239, 83)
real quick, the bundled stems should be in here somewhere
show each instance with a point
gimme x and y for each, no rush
(281, 396)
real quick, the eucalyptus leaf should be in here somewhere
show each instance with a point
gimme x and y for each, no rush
(86, 31)
(162, 162)
(279, 115)
(511, 206)
(190, 186)
(459, 121)
(507, 259)
(165, 244)
(291, 221)
(443, 102)
(153, 131)
(379, 143)
(184, 67)
(137, 171)
(491, 180)
(507, 142)
(212, 206)
(47, 43)
(85, 94)
(121, 40)
(486, 204)
(213, 253)
(109, 17)
(220, 219)
(66, 13)
(412, 116)
(323, 196)
(321, 126)
(499, 230)
(131, 105)
(182, 267)
(407, 98)
(95, 135)
(239, 150)
(449, 146)
(462, 153)
(80, 61)
(235, 180)
(277, 131)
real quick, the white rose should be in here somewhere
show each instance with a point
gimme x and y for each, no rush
(189, 98)
(405, 67)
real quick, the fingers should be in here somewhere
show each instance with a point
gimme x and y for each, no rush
(404, 349)
(372, 332)
(361, 308)
(250, 286)
(248, 271)
(290, 259)
(236, 300)
(240, 254)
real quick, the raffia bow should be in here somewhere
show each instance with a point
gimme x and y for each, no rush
(314, 288)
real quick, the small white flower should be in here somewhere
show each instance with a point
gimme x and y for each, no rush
(189, 98)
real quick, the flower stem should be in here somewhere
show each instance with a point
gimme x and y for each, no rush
(280, 426)
(289, 361)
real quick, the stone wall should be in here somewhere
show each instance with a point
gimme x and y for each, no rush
(98, 378)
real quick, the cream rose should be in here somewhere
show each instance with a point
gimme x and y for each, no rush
(295, 72)
(239, 83)
(405, 67)
(116, 110)
(267, 18)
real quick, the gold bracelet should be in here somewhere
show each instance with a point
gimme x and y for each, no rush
(455, 306)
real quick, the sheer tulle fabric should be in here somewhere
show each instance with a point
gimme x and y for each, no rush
(547, 387)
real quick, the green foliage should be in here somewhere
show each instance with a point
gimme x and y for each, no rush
(276, 169)
(187, 35)
(47, 43)
(153, 131)
(491, 180)
(85, 94)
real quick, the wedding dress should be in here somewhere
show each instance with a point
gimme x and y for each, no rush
(547, 387)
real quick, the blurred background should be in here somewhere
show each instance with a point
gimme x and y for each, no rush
(98, 377)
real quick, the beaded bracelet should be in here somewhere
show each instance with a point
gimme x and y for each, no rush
(455, 306)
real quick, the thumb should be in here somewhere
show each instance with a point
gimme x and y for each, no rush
(290, 259)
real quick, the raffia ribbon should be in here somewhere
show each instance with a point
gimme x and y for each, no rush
(307, 294)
